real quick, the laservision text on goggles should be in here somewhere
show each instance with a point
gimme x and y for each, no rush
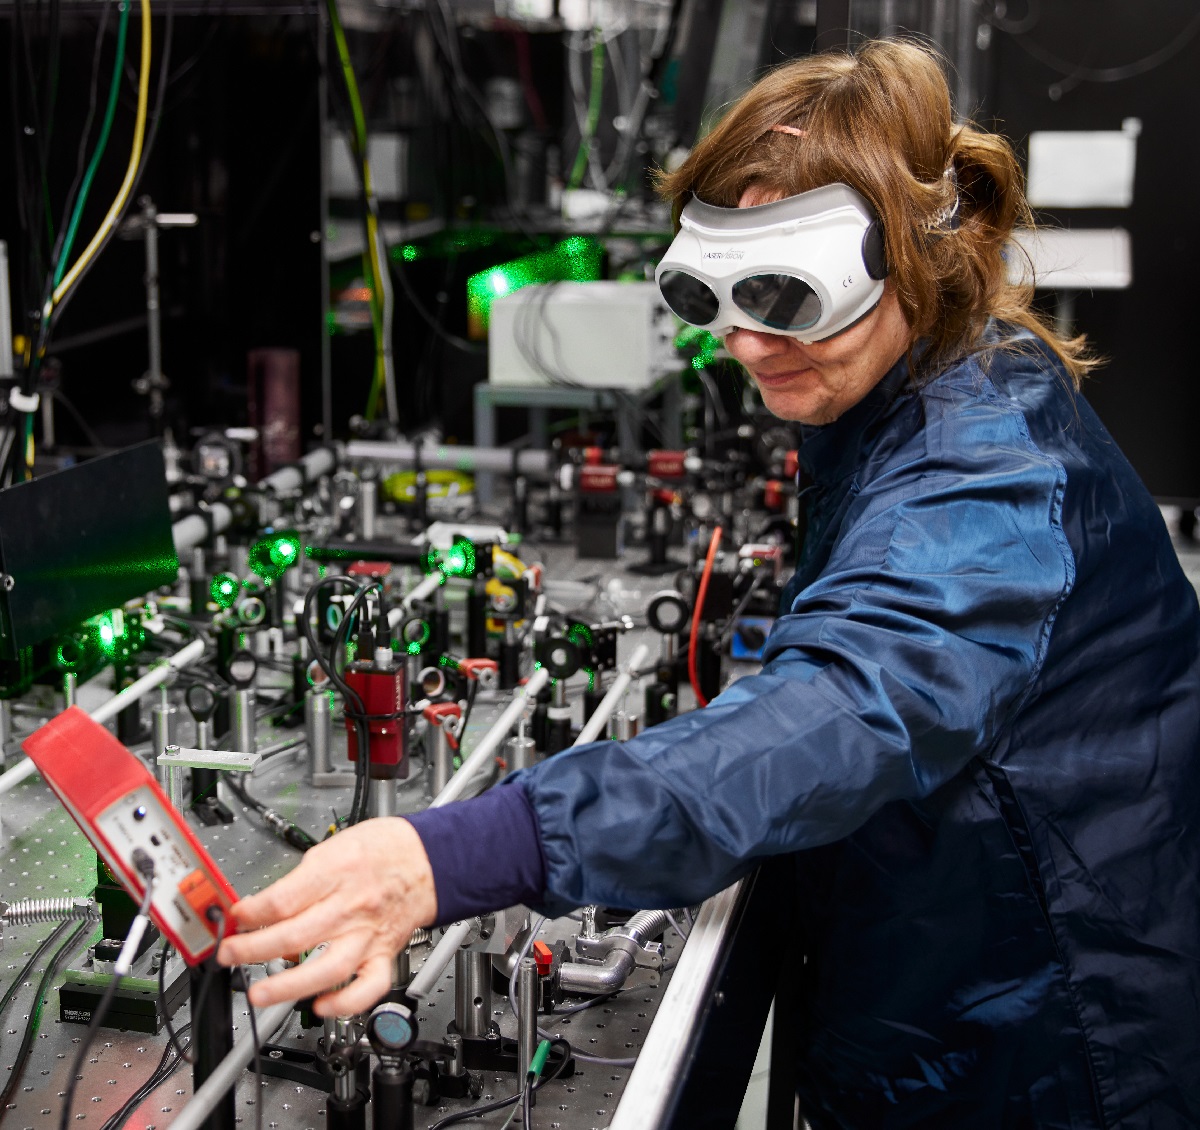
(808, 266)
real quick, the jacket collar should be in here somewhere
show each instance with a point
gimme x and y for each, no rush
(832, 452)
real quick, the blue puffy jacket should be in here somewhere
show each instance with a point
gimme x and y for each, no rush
(978, 726)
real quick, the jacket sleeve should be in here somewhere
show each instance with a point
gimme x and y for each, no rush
(900, 663)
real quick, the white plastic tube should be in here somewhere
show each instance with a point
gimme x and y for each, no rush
(439, 957)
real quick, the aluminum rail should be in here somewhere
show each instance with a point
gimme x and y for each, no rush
(498, 460)
(472, 767)
(439, 957)
(190, 531)
(113, 706)
(603, 712)
(668, 1044)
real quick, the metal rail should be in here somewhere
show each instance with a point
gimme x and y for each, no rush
(110, 708)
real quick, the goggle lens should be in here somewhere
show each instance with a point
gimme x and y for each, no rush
(779, 302)
(689, 297)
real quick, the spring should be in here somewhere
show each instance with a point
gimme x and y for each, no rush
(420, 937)
(29, 912)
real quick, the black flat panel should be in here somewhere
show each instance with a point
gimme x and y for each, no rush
(81, 541)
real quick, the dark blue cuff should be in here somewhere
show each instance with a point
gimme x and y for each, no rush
(485, 853)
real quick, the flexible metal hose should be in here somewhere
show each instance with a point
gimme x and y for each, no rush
(29, 912)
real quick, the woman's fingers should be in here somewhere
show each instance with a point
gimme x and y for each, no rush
(316, 924)
(368, 988)
(332, 966)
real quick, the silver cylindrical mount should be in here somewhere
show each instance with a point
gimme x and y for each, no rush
(318, 726)
(383, 798)
(164, 719)
(245, 705)
(473, 993)
(174, 780)
(519, 753)
(624, 726)
(70, 687)
(527, 1014)
(368, 493)
(442, 759)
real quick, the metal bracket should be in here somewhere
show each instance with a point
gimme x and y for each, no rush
(227, 760)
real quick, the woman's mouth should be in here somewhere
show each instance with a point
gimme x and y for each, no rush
(777, 380)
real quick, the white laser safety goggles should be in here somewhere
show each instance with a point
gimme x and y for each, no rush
(808, 266)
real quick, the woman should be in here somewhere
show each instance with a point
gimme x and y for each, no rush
(977, 723)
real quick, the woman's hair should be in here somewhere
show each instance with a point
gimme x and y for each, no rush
(880, 121)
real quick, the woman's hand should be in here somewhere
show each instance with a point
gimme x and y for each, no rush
(363, 891)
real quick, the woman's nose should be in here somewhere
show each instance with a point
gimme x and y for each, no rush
(752, 346)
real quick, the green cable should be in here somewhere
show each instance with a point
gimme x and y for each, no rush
(595, 98)
(114, 90)
(538, 1064)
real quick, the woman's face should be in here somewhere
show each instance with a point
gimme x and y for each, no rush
(815, 384)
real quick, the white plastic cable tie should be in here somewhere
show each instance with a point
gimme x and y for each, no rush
(22, 403)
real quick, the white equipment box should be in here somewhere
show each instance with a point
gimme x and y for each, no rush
(582, 334)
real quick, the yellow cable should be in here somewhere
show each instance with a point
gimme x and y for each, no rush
(139, 135)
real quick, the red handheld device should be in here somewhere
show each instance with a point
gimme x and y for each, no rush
(117, 802)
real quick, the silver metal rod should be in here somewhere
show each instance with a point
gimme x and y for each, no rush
(439, 957)
(596, 723)
(383, 798)
(442, 758)
(113, 706)
(163, 723)
(153, 312)
(368, 493)
(318, 725)
(425, 588)
(191, 531)
(153, 678)
(452, 456)
(473, 993)
(527, 1016)
(470, 774)
(245, 732)
(6, 330)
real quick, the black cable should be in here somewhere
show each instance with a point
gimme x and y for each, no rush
(167, 1066)
(172, 1034)
(329, 666)
(1141, 66)
(500, 1104)
(98, 1014)
(18, 1066)
(359, 715)
(292, 834)
(527, 1102)
(85, 134)
(38, 954)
